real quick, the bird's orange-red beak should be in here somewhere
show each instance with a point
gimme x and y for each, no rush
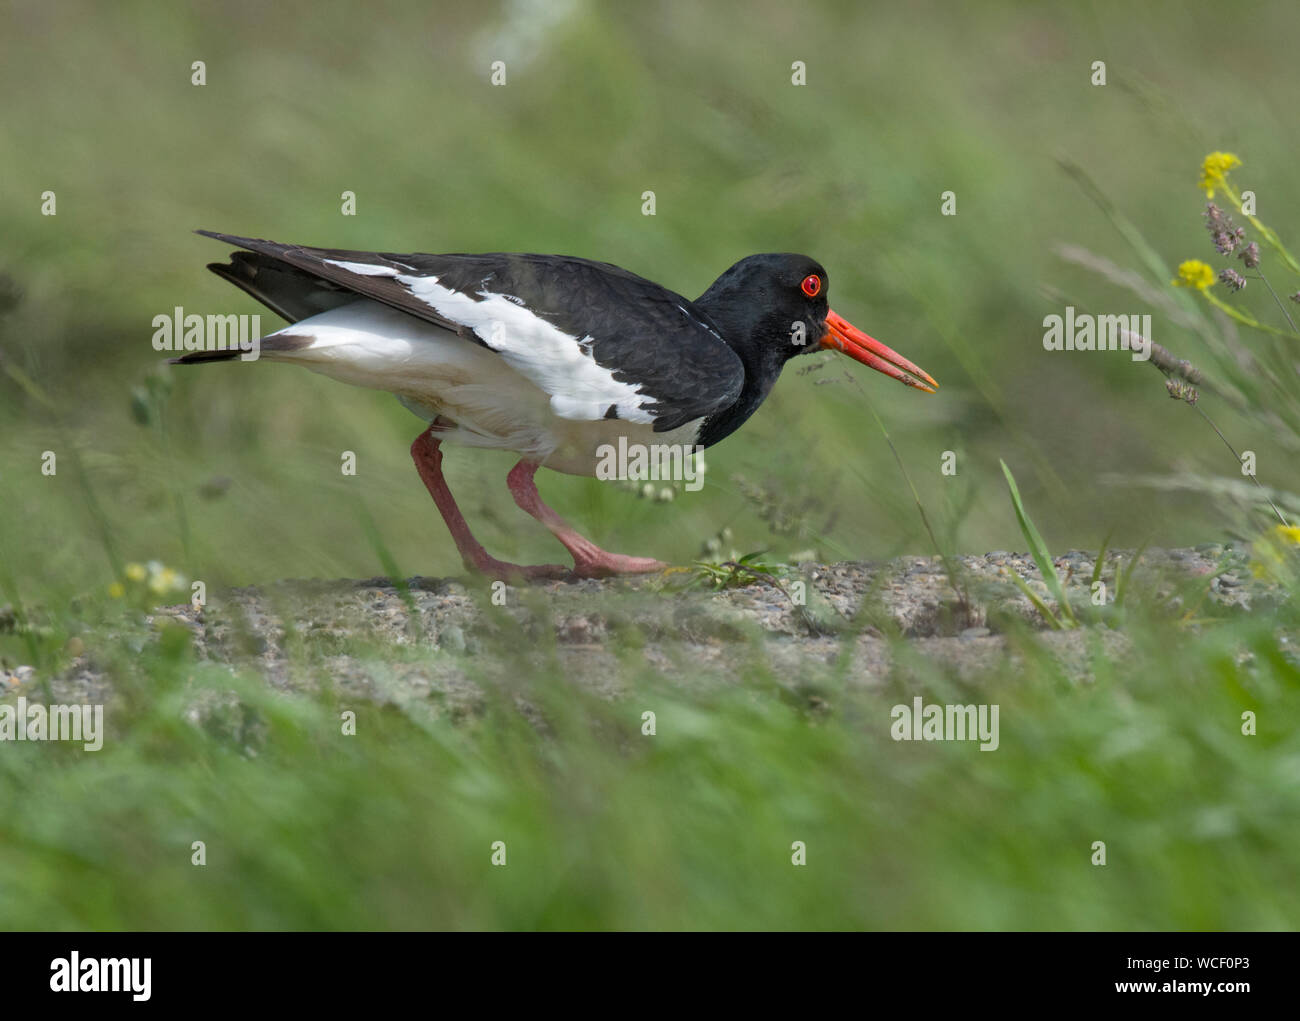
(842, 335)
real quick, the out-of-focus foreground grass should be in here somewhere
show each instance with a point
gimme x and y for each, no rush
(235, 477)
(693, 827)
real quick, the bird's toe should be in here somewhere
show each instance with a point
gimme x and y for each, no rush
(605, 565)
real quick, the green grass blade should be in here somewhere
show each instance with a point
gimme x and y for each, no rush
(1101, 562)
(1033, 597)
(1037, 548)
(1122, 577)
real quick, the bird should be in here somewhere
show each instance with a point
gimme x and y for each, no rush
(554, 357)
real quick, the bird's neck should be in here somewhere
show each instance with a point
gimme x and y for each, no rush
(761, 355)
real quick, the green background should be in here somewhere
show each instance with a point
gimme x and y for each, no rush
(603, 102)
(234, 478)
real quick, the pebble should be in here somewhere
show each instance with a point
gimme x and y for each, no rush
(452, 638)
(976, 632)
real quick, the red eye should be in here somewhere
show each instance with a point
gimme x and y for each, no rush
(812, 285)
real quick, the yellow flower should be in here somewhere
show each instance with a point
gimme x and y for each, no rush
(1213, 167)
(135, 572)
(1273, 553)
(1194, 273)
(164, 581)
(116, 590)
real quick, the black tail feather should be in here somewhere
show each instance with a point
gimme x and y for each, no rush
(288, 291)
(196, 357)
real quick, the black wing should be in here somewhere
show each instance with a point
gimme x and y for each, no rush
(640, 333)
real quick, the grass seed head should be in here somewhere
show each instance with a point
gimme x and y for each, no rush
(1227, 235)
(1234, 280)
(1181, 391)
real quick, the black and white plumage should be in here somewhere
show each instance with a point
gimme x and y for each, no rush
(550, 356)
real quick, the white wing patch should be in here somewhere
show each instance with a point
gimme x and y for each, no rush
(557, 362)
(364, 269)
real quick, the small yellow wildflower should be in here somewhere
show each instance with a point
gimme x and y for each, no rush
(117, 590)
(1194, 273)
(1274, 553)
(164, 581)
(135, 572)
(1213, 167)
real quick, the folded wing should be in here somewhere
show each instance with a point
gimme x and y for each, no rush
(602, 342)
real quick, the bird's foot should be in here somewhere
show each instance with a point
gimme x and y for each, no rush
(605, 565)
(500, 570)
(589, 560)
(602, 565)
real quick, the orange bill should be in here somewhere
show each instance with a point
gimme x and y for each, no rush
(841, 335)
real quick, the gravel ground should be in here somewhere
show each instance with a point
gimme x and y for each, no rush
(362, 638)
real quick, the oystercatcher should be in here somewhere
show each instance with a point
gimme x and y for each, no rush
(550, 356)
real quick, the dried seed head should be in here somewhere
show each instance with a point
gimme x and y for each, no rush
(1227, 236)
(1181, 391)
(1250, 255)
(1170, 364)
(1233, 279)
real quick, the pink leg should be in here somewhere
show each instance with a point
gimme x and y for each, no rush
(589, 560)
(427, 453)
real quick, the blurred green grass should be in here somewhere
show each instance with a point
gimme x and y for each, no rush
(690, 828)
(603, 103)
